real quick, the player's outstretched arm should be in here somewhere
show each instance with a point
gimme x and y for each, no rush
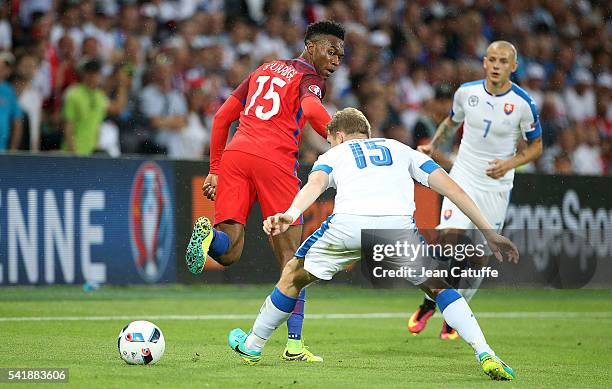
(499, 167)
(316, 114)
(317, 183)
(501, 247)
(445, 130)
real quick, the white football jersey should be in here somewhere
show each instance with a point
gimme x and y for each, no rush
(374, 177)
(492, 126)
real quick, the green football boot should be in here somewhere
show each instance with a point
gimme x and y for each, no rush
(199, 244)
(495, 368)
(235, 340)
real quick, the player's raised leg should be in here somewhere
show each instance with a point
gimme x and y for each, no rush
(459, 316)
(224, 243)
(234, 195)
(276, 309)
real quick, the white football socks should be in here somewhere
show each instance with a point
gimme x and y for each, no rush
(269, 319)
(458, 315)
(254, 342)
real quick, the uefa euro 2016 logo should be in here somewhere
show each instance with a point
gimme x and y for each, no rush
(150, 221)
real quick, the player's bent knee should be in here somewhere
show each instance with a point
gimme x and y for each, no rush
(229, 258)
(290, 270)
(232, 255)
(235, 231)
(226, 261)
(294, 277)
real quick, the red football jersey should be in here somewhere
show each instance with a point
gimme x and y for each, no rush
(271, 122)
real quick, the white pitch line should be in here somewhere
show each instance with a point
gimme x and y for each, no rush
(317, 316)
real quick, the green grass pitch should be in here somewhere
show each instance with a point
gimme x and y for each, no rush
(552, 338)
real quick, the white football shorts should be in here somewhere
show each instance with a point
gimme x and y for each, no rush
(493, 206)
(337, 244)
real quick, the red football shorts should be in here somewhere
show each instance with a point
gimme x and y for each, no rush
(245, 178)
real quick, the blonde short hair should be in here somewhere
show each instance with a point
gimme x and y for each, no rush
(505, 45)
(350, 121)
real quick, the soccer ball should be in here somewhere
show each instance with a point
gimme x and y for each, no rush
(141, 343)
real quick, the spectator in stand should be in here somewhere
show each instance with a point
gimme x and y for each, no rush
(534, 83)
(11, 116)
(580, 97)
(30, 100)
(240, 39)
(89, 48)
(6, 31)
(134, 58)
(269, 42)
(555, 88)
(71, 20)
(587, 158)
(84, 109)
(563, 164)
(380, 114)
(128, 23)
(65, 74)
(100, 29)
(195, 136)
(414, 93)
(435, 110)
(45, 53)
(603, 119)
(166, 110)
(566, 145)
(121, 124)
(550, 121)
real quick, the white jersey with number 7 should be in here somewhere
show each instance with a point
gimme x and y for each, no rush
(492, 125)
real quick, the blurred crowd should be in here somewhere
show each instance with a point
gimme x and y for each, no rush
(133, 76)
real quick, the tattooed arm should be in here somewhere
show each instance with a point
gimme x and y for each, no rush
(445, 130)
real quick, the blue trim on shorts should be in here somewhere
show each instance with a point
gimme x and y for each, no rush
(301, 252)
(446, 298)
